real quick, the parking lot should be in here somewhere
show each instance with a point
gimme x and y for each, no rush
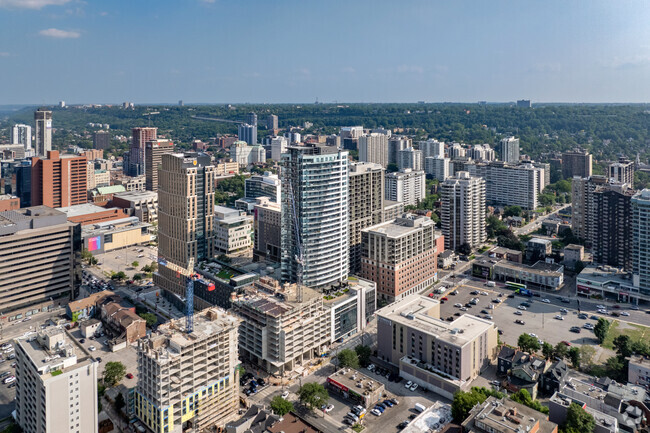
(538, 319)
(388, 421)
(122, 259)
(127, 356)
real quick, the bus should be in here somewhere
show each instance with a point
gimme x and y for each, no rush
(519, 289)
(514, 286)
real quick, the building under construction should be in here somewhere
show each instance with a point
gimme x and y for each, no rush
(189, 380)
(283, 326)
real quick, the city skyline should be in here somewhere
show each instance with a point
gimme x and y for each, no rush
(292, 52)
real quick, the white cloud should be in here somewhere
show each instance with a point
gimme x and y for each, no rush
(59, 34)
(4, 54)
(31, 4)
(207, 1)
(410, 68)
(629, 62)
(349, 70)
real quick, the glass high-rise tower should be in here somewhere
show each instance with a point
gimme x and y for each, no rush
(315, 179)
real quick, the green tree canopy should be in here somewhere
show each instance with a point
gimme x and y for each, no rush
(363, 353)
(150, 318)
(114, 371)
(528, 343)
(522, 396)
(574, 356)
(547, 350)
(281, 406)
(135, 263)
(464, 401)
(119, 276)
(623, 346)
(313, 395)
(512, 211)
(601, 329)
(577, 420)
(348, 358)
(561, 350)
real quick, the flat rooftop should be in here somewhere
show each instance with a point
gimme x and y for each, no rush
(289, 298)
(606, 274)
(419, 312)
(401, 226)
(355, 380)
(507, 416)
(542, 268)
(600, 418)
(137, 195)
(82, 209)
(433, 418)
(170, 338)
(53, 349)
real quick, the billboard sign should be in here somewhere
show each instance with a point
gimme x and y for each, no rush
(94, 243)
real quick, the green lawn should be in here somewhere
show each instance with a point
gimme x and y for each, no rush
(635, 332)
(224, 274)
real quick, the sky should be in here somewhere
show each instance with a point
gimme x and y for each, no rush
(276, 51)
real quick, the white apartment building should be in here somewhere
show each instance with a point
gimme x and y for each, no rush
(318, 199)
(189, 379)
(395, 144)
(457, 151)
(510, 150)
(232, 231)
(22, 134)
(432, 148)
(374, 148)
(641, 240)
(463, 210)
(481, 152)
(513, 185)
(438, 167)
(56, 387)
(407, 186)
(278, 147)
(244, 154)
(409, 158)
(351, 132)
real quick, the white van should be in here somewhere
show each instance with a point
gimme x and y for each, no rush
(491, 284)
(420, 407)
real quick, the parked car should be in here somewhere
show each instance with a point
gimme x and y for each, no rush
(575, 329)
(408, 384)
(92, 348)
(520, 322)
(414, 387)
(375, 412)
(518, 313)
(129, 376)
(521, 307)
(9, 379)
(559, 317)
(285, 394)
(546, 301)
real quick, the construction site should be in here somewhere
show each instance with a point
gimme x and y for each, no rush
(189, 380)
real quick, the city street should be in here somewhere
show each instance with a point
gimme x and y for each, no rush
(529, 228)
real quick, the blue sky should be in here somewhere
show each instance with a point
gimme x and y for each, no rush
(298, 51)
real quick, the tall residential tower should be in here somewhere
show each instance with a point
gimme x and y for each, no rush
(463, 210)
(43, 132)
(186, 184)
(315, 214)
